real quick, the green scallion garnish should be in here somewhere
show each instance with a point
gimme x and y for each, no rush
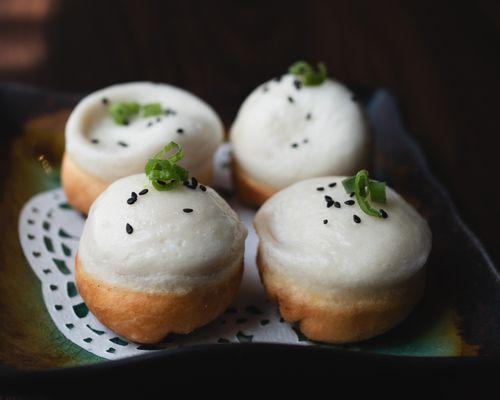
(307, 75)
(122, 112)
(152, 109)
(165, 174)
(365, 188)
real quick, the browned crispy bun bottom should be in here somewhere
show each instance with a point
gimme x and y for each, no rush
(146, 317)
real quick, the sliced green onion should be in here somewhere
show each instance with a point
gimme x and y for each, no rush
(299, 68)
(365, 188)
(362, 182)
(165, 174)
(152, 110)
(122, 112)
(307, 74)
(349, 184)
(377, 191)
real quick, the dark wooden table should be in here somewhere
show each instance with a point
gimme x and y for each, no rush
(441, 59)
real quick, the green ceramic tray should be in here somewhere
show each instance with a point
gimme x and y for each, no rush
(459, 317)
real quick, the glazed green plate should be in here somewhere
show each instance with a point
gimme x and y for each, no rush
(459, 316)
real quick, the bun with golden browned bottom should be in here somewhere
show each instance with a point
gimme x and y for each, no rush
(148, 317)
(100, 149)
(342, 317)
(286, 132)
(154, 262)
(343, 275)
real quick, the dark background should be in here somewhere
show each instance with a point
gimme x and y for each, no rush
(441, 60)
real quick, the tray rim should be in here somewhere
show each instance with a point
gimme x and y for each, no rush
(13, 374)
(361, 357)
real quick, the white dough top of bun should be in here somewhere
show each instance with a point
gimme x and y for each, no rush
(282, 134)
(170, 248)
(110, 151)
(340, 254)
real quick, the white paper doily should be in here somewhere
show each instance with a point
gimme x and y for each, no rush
(49, 230)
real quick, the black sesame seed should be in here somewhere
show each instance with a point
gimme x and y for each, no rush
(187, 210)
(308, 116)
(325, 221)
(95, 140)
(349, 202)
(297, 84)
(133, 195)
(158, 119)
(203, 188)
(295, 145)
(356, 219)
(123, 144)
(305, 140)
(150, 123)
(143, 192)
(191, 185)
(336, 204)
(131, 200)
(126, 122)
(169, 111)
(180, 131)
(265, 88)
(329, 201)
(352, 194)
(129, 228)
(277, 79)
(333, 184)
(320, 189)
(104, 100)
(290, 99)
(159, 182)
(383, 214)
